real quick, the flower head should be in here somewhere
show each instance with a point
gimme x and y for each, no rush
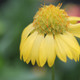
(51, 19)
(51, 34)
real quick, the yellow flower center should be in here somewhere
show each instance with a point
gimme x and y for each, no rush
(51, 19)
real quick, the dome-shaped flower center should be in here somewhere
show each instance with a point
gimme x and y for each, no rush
(51, 19)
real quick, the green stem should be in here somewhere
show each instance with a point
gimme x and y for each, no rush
(53, 77)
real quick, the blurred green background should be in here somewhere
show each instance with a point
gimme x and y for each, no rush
(15, 15)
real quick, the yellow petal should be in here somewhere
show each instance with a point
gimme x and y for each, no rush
(47, 51)
(66, 48)
(25, 33)
(61, 53)
(73, 20)
(42, 54)
(75, 29)
(72, 43)
(51, 50)
(27, 46)
(35, 49)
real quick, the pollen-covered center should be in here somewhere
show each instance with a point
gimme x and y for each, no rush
(51, 19)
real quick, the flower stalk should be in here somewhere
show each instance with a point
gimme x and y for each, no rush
(53, 75)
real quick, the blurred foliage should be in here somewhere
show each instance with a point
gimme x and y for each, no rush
(15, 15)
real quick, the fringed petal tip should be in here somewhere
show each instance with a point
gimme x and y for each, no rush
(48, 63)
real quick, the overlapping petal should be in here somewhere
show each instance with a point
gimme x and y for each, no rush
(73, 45)
(34, 55)
(26, 32)
(27, 46)
(47, 51)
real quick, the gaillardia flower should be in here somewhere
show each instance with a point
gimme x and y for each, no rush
(51, 34)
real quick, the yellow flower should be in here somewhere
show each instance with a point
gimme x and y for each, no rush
(51, 34)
